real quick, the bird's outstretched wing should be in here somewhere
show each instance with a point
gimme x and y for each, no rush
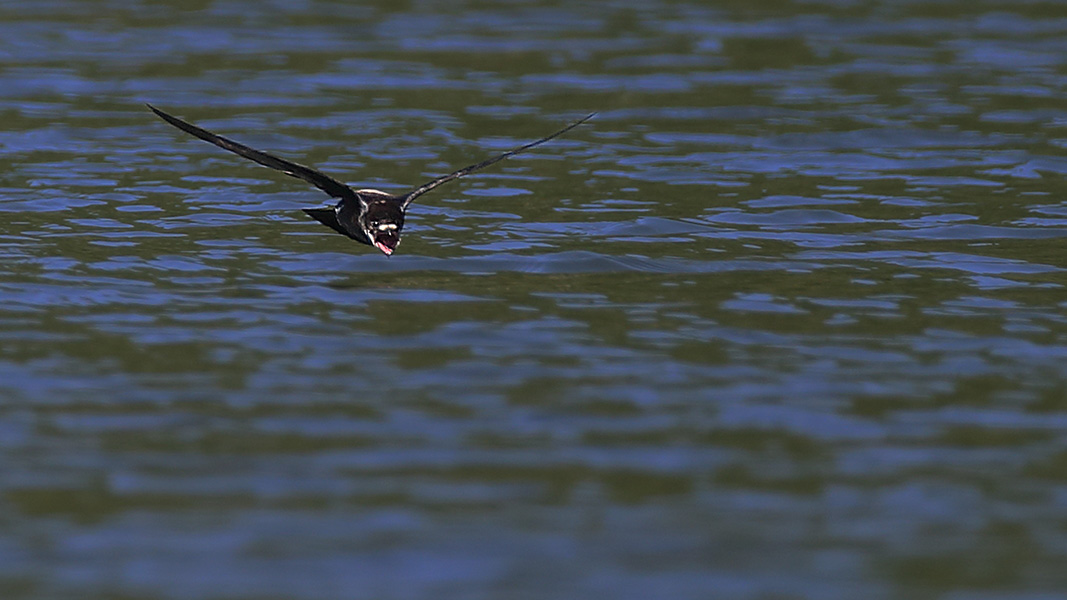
(407, 198)
(325, 183)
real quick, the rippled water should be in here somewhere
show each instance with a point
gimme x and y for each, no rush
(786, 320)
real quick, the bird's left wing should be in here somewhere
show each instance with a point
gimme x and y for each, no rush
(407, 198)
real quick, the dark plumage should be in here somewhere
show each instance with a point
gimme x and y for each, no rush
(371, 217)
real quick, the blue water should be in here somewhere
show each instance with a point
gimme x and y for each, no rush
(785, 320)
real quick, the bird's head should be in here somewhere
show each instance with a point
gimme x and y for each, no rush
(382, 221)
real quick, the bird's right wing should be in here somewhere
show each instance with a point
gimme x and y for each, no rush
(325, 183)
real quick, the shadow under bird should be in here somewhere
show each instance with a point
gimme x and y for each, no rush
(371, 217)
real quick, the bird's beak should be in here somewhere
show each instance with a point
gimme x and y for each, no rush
(386, 242)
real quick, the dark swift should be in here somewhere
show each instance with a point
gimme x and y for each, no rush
(371, 217)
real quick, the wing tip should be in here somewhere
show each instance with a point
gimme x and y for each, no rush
(163, 115)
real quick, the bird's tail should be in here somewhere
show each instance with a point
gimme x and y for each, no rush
(328, 217)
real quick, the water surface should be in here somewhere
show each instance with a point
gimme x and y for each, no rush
(786, 320)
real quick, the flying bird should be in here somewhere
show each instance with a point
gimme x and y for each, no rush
(371, 217)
